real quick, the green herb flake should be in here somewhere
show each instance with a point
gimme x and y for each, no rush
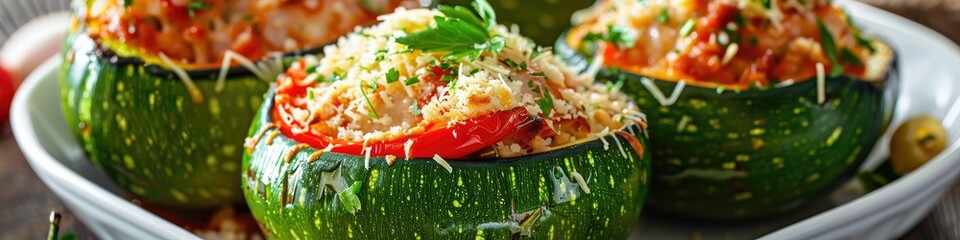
(348, 197)
(847, 56)
(334, 77)
(380, 54)
(312, 70)
(612, 87)
(664, 17)
(411, 81)
(687, 27)
(373, 112)
(545, 103)
(414, 109)
(622, 37)
(830, 48)
(392, 75)
(127, 3)
(864, 43)
(197, 5)
(453, 86)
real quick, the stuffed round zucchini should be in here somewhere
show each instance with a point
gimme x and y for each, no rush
(755, 105)
(440, 123)
(149, 89)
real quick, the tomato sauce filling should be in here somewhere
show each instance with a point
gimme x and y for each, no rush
(731, 44)
(197, 33)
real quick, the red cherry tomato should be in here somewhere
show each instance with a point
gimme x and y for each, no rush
(6, 95)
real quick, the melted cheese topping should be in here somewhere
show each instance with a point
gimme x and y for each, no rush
(360, 106)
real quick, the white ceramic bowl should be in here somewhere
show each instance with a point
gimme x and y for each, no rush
(930, 84)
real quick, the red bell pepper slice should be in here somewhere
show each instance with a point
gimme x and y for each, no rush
(453, 142)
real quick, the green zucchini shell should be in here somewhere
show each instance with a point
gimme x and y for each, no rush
(756, 153)
(139, 125)
(335, 196)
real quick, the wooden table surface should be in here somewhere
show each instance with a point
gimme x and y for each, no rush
(25, 202)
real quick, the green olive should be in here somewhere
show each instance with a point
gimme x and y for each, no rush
(915, 142)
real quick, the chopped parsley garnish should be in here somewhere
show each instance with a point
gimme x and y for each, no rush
(453, 85)
(411, 81)
(664, 16)
(545, 103)
(334, 77)
(539, 74)
(373, 111)
(380, 54)
(612, 87)
(848, 57)
(414, 109)
(764, 3)
(622, 37)
(864, 43)
(687, 27)
(197, 5)
(514, 65)
(459, 32)
(392, 75)
(826, 40)
(312, 70)
(127, 3)
(446, 78)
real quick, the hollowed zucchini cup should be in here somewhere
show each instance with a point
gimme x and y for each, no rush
(166, 140)
(474, 177)
(725, 153)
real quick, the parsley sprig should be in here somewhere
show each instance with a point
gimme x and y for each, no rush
(460, 32)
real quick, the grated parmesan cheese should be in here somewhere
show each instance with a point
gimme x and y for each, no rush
(366, 158)
(195, 93)
(581, 182)
(443, 163)
(821, 80)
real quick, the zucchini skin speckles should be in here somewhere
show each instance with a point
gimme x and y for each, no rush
(335, 196)
(755, 153)
(143, 130)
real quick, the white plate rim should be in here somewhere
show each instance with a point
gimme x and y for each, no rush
(832, 222)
